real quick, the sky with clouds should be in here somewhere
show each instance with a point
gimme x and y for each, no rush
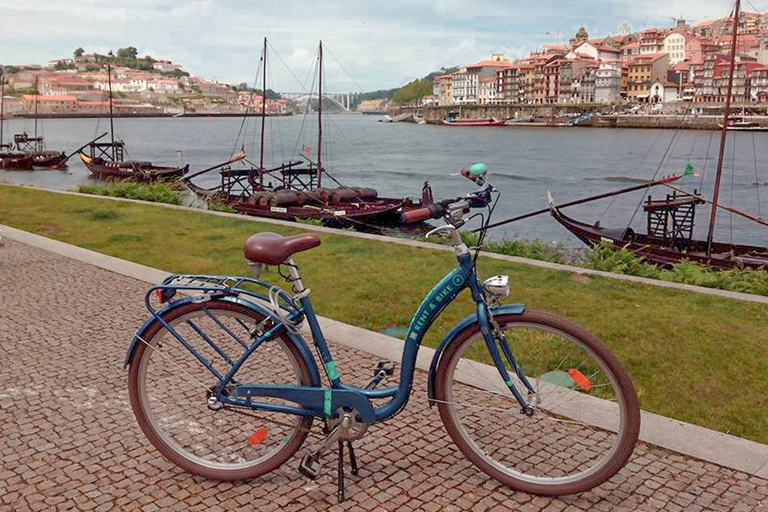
(371, 44)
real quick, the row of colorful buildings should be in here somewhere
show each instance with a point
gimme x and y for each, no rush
(657, 65)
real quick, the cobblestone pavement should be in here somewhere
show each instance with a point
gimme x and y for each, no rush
(69, 440)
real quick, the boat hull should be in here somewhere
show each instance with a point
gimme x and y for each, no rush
(379, 211)
(49, 160)
(475, 122)
(136, 171)
(21, 162)
(722, 257)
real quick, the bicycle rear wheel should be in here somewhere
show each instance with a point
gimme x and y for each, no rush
(169, 390)
(586, 418)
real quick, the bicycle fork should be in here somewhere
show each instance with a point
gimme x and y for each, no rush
(494, 338)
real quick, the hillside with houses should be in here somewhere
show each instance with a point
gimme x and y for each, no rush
(140, 86)
(683, 62)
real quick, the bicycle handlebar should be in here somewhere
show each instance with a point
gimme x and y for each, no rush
(479, 199)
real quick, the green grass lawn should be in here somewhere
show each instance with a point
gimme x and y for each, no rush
(693, 357)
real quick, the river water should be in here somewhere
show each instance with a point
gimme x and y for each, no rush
(396, 158)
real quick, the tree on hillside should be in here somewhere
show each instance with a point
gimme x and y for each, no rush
(78, 52)
(127, 53)
(413, 91)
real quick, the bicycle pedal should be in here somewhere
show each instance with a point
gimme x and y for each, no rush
(310, 466)
(388, 367)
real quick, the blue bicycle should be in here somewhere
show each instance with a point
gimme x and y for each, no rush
(224, 385)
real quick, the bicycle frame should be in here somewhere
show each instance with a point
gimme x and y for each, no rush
(325, 402)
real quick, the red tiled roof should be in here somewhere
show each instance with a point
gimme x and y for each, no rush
(650, 57)
(491, 64)
(610, 49)
(40, 98)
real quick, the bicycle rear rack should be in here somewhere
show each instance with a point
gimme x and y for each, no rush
(203, 287)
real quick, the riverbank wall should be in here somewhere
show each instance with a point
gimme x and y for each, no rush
(561, 116)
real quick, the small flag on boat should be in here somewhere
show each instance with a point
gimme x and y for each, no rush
(306, 148)
(690, 170)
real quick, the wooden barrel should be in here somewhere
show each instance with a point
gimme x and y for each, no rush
(343, 195)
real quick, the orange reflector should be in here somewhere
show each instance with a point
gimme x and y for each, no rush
(580, 379)
(258, 436)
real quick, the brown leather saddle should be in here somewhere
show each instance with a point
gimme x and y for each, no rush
(274, 249)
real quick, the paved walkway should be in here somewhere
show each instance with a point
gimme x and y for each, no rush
(69, 440)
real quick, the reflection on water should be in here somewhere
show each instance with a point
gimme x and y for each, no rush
(396, 158)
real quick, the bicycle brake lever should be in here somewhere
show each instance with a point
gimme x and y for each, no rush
(437, 230)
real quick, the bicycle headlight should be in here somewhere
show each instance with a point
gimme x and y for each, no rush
(497, 286)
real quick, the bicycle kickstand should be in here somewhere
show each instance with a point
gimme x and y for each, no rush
(352, 463)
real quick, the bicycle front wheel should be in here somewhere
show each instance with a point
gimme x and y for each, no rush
(169, 390)
(586, 416)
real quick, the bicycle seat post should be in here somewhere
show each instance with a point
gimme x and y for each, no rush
(293, 272)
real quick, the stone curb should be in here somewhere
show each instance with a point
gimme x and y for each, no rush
(438, 247)
(708, 445)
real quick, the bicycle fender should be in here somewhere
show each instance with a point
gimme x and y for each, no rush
(504, 309)
(297, 340)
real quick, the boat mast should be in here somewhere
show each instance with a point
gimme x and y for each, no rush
(111, 125)
(320, 117)
(263, 111)
(2, 107)
(723, 136)
(37, 91)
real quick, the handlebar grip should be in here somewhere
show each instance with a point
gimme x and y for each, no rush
(420, 214)
(416, 215)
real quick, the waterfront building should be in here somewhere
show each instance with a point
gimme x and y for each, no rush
(586, 84)
(162, 85)
(758, 84)
(663, 91)
(487, 91)
(608, 82)
(629, 51)
(552, 80)
(568, 69)
(642, 72)
(444, 90)
(711, 84)
(682, 46)
(652, 41)
(466, 82)
(460, 82)
(48, 104)
(507, 83)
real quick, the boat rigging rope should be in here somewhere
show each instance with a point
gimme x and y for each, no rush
(653, 178)
(733, 175)
(243, 126)
(706, 161)
(757, 178)
(634, 173)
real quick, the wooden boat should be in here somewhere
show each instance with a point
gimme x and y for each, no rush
(9, 158)
(41, 157)
(14, 160)
(35, 146)
(670, 221)
(738, 124)
(295, 189)
(668, 242)
(105, 160)
(456, 121)
(115, 168)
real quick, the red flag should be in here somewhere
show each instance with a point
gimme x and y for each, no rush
(306, 148)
